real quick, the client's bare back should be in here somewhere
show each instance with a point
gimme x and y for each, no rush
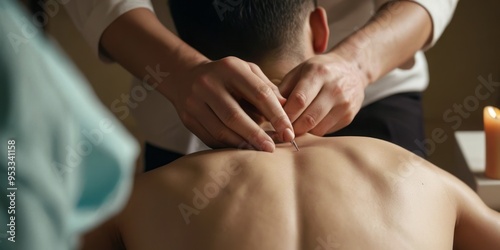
(336, 193)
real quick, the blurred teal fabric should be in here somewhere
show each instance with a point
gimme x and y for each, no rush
(74, 162)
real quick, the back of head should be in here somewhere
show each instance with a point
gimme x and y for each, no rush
(249, 29)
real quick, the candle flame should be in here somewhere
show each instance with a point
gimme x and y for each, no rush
(492, 112)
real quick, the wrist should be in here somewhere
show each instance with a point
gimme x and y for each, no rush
(183, 60)
(187, 58)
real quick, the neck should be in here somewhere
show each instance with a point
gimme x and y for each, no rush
(276, 69)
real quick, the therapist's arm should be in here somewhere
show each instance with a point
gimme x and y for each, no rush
(201, 90)
(326, 92)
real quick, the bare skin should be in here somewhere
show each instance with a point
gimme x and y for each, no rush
(324, 93)
(335, 193)
(198, 87)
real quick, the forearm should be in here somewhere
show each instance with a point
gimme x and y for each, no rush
(389, 40)
(140, 43)
(201, 90)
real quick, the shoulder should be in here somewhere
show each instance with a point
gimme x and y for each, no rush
(105, 236)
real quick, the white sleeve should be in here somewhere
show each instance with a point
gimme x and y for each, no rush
(440, 11)
(92, 17)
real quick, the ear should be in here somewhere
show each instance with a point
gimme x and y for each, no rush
(318, 22)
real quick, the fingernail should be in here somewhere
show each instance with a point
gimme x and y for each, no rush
(288, 135)
(267, 146)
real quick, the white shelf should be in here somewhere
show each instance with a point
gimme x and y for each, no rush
(472, 145)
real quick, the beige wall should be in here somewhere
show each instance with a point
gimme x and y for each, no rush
(110, 81)
(469, 48)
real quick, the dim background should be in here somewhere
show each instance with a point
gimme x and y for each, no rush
(469, 48)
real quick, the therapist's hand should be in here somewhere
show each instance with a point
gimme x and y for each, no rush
(208, 96)
(324, 94)
(205, 93)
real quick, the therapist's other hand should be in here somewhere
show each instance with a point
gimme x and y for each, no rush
(207, 98)
(324, 94)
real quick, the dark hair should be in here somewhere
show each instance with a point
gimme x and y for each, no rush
(248, 29)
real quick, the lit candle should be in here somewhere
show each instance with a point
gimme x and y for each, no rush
(492, 132)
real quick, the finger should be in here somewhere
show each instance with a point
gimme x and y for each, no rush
(193, 125)
(232, 116)
(273, 135)
(251, 111)
(256, 70)
(261, 95)
(212, 132)
(302, 96)
(336, 119)
(289, 81)
(314, 113)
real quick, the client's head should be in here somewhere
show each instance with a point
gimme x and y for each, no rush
(277, 35)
